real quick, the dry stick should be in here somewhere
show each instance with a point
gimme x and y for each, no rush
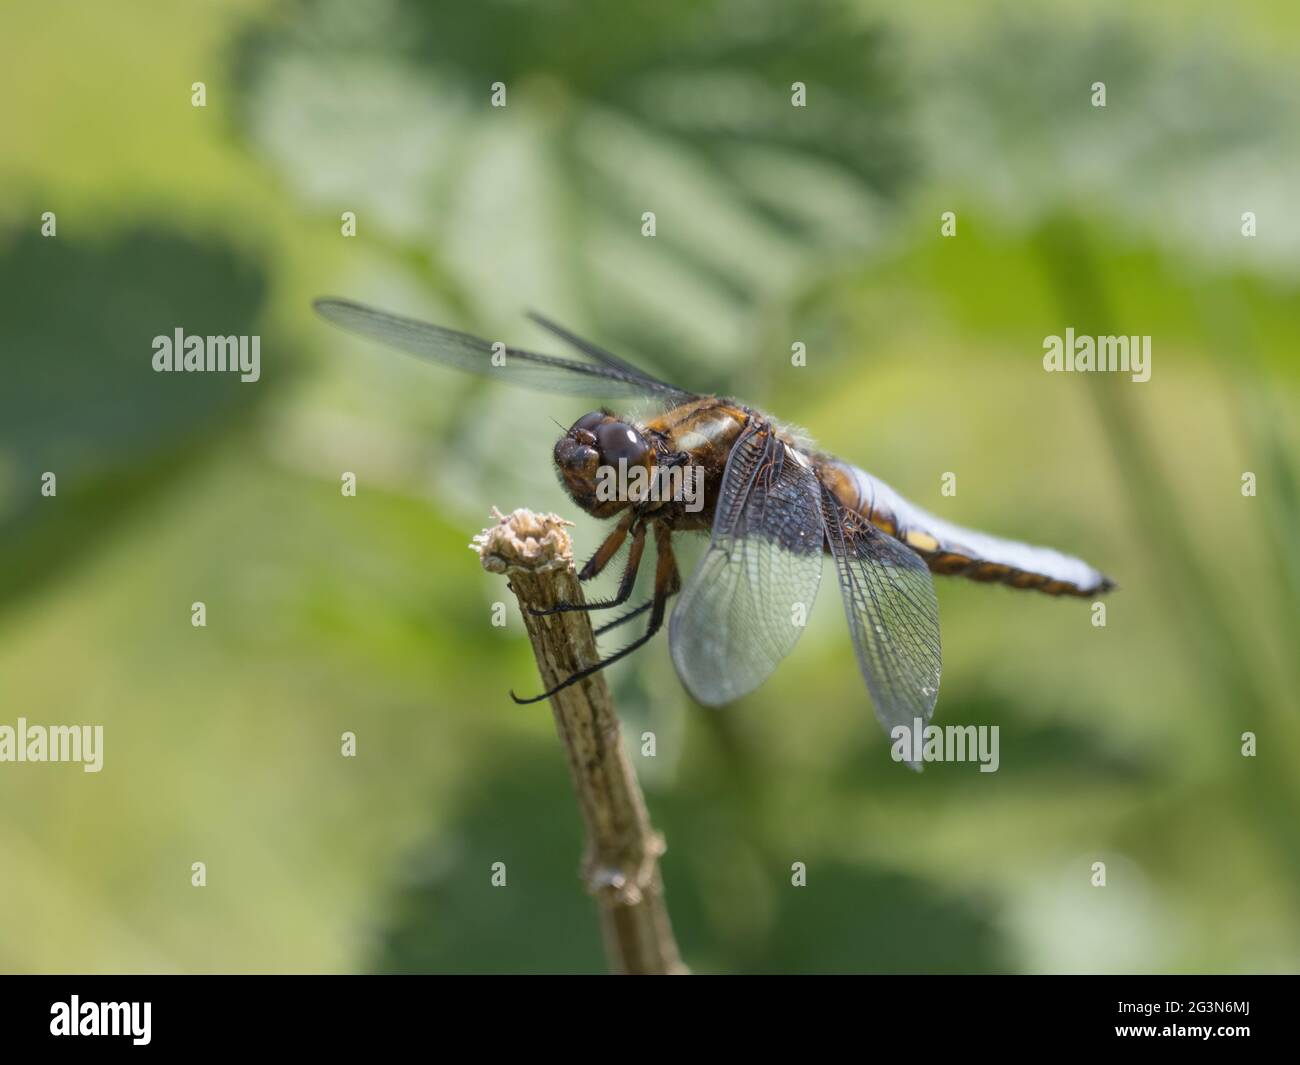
(621, 863)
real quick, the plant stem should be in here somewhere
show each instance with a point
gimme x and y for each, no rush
(621, 864)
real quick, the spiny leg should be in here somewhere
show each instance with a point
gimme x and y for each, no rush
(662, 543)
(607, 550)
(667, 583)
(666, 561)
(626, 583)
(635, 612)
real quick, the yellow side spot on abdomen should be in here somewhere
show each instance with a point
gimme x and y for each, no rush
(922, 541)
(884, 523)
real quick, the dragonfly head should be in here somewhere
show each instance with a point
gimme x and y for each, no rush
(598, 459)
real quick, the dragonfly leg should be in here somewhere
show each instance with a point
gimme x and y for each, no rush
(626, 583)
(666, 562)
(663, 545)
(606, 551)
(635, 612)
(667, 582)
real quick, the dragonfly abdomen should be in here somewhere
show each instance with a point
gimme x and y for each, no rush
(952, 550)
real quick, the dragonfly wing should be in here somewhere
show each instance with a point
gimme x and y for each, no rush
(747, 601)
(592, 351)
(472, 354)
(892, 613)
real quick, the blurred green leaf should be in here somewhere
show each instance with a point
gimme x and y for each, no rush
(613, 109)
(81, 398)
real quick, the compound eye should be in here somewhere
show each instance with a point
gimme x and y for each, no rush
(588, 422)
(618, 440)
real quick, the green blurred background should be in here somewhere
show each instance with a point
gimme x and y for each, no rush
(1119, 744)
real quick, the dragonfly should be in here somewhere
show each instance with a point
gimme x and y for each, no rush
(773, 506)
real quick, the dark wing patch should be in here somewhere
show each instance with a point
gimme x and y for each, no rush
(472, 354)
(892, 613)
(747, 601)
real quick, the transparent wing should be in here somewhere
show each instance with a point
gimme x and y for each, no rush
(601, 355)
(892, 613)
(748, 599)
(472, 354)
